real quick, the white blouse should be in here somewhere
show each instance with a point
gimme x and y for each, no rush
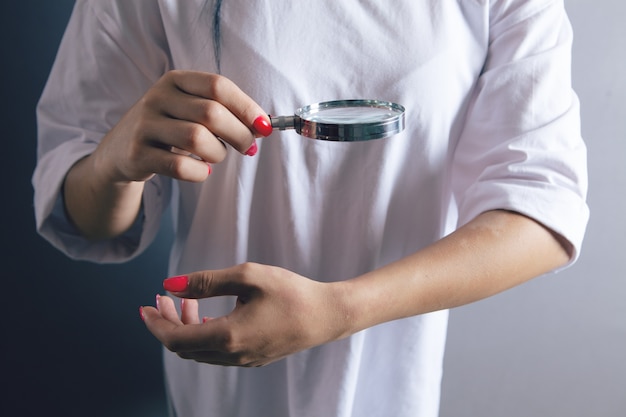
(491, 123)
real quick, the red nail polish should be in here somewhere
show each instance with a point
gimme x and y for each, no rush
(252, 150)
(210, 169)
(262, 126)
(143, 317)
(176, 284)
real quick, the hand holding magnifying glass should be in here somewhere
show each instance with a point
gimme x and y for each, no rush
(345, 120)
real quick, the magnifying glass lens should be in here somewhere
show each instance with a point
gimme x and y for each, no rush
(352, 115)
(345, 120)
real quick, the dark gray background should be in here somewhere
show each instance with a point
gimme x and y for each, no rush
(73, 344)
(72, 340)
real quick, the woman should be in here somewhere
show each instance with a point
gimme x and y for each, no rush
(343, 257)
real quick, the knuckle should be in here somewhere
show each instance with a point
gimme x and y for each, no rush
(204, 285)
(175, 166)
(216, 84)
(248, 274)
(150, 99)
(210, 111)
(231, 344)
(171, 75)
(246, 269)
(193, 136)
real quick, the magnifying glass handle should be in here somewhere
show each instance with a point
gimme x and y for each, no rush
(284, 122)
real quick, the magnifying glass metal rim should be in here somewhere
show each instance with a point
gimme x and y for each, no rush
(343, 132)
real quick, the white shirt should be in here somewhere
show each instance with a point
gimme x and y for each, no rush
(491, 123)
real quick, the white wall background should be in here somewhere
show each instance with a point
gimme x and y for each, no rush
(557, 345)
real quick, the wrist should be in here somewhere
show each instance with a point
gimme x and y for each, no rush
(97, 205)
(349, 314)
(377, 297)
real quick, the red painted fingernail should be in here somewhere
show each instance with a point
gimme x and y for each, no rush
(143, 317)
(262, 126)
(176, 284)
(205, 319)
(252, 150)
(210, 169)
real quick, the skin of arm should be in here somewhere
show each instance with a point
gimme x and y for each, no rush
(100, 209)
(279, 313)
(498, 250)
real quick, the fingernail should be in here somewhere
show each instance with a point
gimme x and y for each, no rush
(262, 126)
(210, 169)
(252, 150)
(176, 284)
(182, 303)
(205, 319)
(158, 298)
(143, 317)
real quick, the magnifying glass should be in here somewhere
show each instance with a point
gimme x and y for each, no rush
(345, 120)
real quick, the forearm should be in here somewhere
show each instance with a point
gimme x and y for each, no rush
(100, 208)
(496, 251)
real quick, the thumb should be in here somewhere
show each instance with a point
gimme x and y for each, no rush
(204, 284)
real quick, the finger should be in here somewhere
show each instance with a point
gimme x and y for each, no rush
(221, 89)
(203, 284)
(189, 311)
(215, 118)
(187, 338)
(189, 136)
(224, 91)
(157, 324)
(168, 309)
(175, 165)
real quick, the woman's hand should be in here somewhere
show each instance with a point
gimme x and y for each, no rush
(184, 113)
(277, 313)
(176, 129)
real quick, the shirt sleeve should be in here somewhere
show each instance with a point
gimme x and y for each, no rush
(110, 54)
(521, 147)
